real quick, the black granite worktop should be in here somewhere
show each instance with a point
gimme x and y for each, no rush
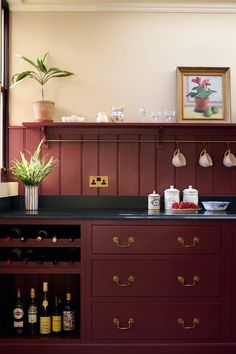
(104, 208)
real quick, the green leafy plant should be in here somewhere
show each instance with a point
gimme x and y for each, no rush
(40, 73)
(32, 171)
(202, 89)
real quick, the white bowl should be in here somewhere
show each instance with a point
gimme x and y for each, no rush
(215, 205)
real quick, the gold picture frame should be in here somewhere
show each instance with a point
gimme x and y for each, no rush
(203, 94)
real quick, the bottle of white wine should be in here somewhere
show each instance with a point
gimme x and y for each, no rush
(45, 316)
(32, 314)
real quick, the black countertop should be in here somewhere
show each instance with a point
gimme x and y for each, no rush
(107, 208)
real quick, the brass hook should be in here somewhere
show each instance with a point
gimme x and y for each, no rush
(228, 145)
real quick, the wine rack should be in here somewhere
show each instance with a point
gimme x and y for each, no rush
(27, 261)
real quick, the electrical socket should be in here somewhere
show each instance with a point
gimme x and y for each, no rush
(98, 181)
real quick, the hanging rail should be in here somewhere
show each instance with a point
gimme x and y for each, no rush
(46, 141)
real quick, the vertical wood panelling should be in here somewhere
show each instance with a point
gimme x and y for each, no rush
(16, 138)
(70, 164)
(165, 171)
(133, 168)
(186, 176)
(108, 164)
(89, 164)
(147, 170)
(128, 164)
(51, 184)
(222, 176)
(204, 174)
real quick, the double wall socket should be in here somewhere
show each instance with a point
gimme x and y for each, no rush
(98, 181)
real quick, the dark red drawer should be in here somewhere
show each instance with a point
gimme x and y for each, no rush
(156, 239)
(155, 321)
(155, 278)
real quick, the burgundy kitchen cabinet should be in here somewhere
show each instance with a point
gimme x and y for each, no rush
(139, 287)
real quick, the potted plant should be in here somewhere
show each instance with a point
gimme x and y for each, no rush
(31, 172)
(201, 93)
(43, 109)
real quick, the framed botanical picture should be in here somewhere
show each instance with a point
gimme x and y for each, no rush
(203, 94)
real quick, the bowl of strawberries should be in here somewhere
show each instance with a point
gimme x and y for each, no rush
(185, 208)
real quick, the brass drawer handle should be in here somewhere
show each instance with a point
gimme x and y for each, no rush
(181, 280)
(116, 241)
(196, 322)
(194, 244)
(116, 280)
(116, 323)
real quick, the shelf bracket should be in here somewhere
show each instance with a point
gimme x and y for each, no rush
(44, 136)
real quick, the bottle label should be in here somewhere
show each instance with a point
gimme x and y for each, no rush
(68, 320)
(32, 318)
(45, 325)
(56, 323)
(45, 304)
(18, 313)
(18, 324)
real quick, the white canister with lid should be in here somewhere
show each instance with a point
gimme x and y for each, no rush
(190, 194)
(154, 201)
(171, 195)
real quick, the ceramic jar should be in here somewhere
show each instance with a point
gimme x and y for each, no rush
(190, 195)
(171, 195)
(153, 201)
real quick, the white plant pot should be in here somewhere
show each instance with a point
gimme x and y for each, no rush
(31, 198)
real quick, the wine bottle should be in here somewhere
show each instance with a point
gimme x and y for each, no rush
(55, 239)
(15, 233)
(18, 314)
(41, 235)
(68, 315)
(41, 259)
(71, 235)
(15, 254)
(32, 314)
(45, 317)
(28, 256)
(73, 255)
(57, 317)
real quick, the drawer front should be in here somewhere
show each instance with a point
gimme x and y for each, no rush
(155, 321)
(156, 278)
(156, 239)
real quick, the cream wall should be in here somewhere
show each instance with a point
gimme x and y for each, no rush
(118, 58)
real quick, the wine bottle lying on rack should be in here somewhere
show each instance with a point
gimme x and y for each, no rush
(41, 235)
(28, 256)
(15, 255)
(73, 255)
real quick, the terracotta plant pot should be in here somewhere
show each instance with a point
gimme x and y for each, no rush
(43, 111)
(201, 104)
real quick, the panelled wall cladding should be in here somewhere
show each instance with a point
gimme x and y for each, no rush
(135, 157)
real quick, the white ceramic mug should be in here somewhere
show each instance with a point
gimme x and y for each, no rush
(101, 117)
(205, 159)
(178, 159)
(229, 159)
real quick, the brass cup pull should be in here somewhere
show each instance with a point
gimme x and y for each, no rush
(181, 280)
(181, 322)
(193, 244)
(116, 280)
(116, 323)
(116, 241)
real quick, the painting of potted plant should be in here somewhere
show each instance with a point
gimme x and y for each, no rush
(43, 109)
(203, 94)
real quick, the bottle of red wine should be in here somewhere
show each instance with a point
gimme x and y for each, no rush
(18, 314)
(15, 255)
(32, 314)
(68, 315)
(57, 317)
